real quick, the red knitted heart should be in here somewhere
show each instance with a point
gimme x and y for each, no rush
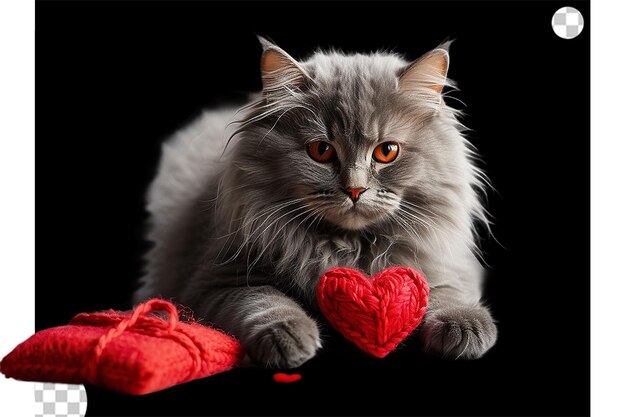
(375, 313)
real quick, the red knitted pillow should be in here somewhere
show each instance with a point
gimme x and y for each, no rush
(374, 313)
(133, 353)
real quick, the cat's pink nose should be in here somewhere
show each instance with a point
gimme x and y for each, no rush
(354, 193)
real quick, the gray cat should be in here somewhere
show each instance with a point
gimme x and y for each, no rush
(341, 160)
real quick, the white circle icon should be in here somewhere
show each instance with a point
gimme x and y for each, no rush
(567, 22)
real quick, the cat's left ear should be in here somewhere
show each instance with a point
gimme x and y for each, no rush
(279, 70)
(427, 75)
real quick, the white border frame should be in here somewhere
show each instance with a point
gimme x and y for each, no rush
(17, 194)
(608, 209)
(608, 164)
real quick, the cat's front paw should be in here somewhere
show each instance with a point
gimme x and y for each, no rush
(459, 332)
(285, 344)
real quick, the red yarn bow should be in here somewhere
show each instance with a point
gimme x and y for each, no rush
(140, 322)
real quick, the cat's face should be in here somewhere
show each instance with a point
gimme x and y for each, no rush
(356, 170)
(351, 137)
(355, 183)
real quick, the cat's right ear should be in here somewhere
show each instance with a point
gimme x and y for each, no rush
(426, 77)
(279, 70)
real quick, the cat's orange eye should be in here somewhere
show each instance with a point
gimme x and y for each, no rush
(386, 152)
(321, 151)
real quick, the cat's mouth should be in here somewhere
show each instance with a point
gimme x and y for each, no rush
(354, 217)
(347, 214)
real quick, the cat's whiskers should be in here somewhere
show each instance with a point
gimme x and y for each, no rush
(257, 228)
(250, 233)
(448, 224)
(250, 266)
(410, 231)
(441, 244)
(418, 219)
(245, 225)
(319, 215)
(407, 222)
(305, 211)
(314, 211)
(234, 234)
(439, 219)
(260, 214)
(401, 204)
(445, 260)
(449, 227)
(412, 220)
(294, 284)
(422, 209)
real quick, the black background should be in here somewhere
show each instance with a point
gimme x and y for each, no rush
(115, 79)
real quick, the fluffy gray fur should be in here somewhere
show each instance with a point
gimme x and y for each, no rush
(244, 221)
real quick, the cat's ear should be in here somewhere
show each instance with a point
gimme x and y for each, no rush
(427, 75)
(279, 70)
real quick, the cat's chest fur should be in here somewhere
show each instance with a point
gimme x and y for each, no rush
(318, 252)
(348, 250)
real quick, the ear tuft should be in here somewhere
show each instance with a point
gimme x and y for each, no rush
(445, 45)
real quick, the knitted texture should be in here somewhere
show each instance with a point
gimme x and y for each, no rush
(135, 353)
(375, 313)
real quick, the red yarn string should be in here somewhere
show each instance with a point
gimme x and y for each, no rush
(140, 322)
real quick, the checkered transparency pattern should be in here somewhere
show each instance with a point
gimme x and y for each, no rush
(60, 400)
(567, 22)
